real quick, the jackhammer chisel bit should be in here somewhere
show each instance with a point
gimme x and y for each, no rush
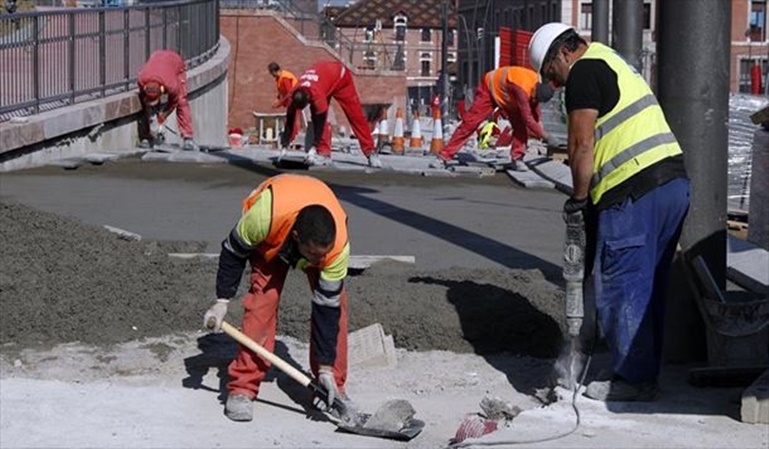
(574, 273)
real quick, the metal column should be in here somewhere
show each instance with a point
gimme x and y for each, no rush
(627, 30)
(600, 32)
(694, 92)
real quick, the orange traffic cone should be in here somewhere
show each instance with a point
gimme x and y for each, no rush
(436, 145)
(397, 143)
(384, 129)
(416, 133)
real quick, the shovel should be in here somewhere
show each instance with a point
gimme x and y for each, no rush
(392, 420)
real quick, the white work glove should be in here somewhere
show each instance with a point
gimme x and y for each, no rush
(215, 315)
(326, 379)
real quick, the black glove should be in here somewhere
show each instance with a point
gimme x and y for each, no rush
(574, 210)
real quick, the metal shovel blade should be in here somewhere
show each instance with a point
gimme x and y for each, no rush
(393, 420)
(410, 429)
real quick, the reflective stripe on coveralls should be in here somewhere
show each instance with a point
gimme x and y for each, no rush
(633, 135)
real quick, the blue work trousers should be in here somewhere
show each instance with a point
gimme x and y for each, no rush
(636, 241)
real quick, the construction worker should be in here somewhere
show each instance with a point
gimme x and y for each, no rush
(630, 182)
(285, 82)
(288, 221)
(317, 86)
(518, 93)
(162, 89)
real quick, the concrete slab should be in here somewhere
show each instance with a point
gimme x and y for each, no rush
(123, 234)
(556, 172)
(747, 265)
(370, 348)
(464, 170)
(530, 179)
(70, 163)
(363, 262)
(100, 158)
(755, 401)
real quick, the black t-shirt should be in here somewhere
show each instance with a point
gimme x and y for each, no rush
(592, 84)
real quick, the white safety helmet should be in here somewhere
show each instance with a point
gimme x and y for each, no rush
(541, 41)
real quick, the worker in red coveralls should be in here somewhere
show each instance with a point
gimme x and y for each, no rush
(163, 89)
(285, 82)
(317, 86)
(517, 92)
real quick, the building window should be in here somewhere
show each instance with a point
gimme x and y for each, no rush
(369, 59)
(746, 67)
(424, 61)
(452, 36)
(647, 16)
(517, 18)
(757, 21)
(451, 57)
(586, 16)
(369, 34)
(400, 22)
(427, 35)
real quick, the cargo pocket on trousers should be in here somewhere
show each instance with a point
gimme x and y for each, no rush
(623, 259)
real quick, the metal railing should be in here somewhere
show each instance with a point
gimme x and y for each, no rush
(54, 59)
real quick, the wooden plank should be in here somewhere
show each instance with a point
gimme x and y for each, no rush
(359, 262)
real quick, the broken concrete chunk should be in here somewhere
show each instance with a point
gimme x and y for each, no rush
(391, 416)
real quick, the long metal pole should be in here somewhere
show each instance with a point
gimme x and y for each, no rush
(693, 83)
(600, 32)
(444, 66)
(627, 29)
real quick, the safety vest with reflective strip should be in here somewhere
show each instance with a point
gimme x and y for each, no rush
(290, 194)
(500, 80)
(634, 135)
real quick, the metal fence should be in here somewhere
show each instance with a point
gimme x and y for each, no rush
(54, 59)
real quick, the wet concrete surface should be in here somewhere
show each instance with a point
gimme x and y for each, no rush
(486, 277)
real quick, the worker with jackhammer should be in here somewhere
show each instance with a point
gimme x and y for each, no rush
(287, 222)
(162, 90)
(631, 194)
(317, 86)
(517, 92)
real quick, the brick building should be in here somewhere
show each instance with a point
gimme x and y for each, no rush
(401, 36)
(749, 37)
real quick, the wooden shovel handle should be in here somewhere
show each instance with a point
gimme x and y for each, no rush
(241, 338)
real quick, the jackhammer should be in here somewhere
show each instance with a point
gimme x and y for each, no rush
(574, 273)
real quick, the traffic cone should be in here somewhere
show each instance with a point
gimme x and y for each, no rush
(416, 133)
(397, 143)
(436, 145)
(384, 130)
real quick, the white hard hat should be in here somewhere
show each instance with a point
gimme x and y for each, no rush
(541, 41)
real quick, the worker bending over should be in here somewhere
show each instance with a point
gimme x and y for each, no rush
(288, 221)
(285, 82)
(317, 86)
(517, 92)
(162, 89)
(630, 183)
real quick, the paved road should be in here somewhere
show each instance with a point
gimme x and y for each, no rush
(444, 222)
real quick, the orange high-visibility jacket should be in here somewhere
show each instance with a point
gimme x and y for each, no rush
(284, 84)
(504, 79)
(290, 194)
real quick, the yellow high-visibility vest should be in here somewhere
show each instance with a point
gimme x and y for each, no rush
(634, 135)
